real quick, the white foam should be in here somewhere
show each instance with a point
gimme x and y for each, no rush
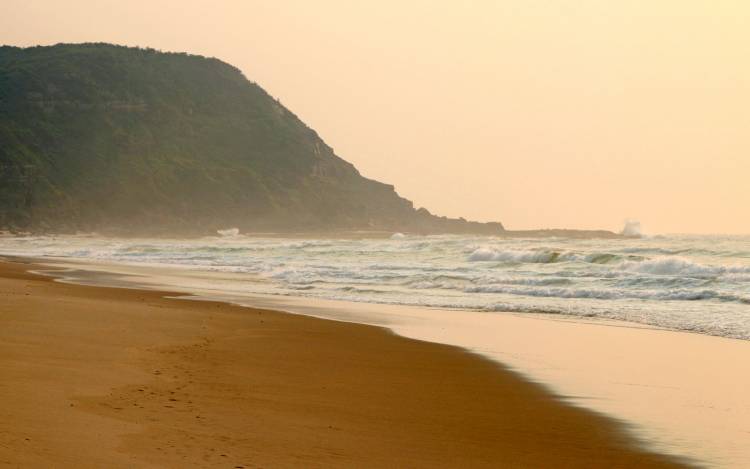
(229, 232)
(604, 294)
(489, 254)
(681, 266)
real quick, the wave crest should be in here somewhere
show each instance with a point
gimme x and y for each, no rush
(680, 266)
(536, 257)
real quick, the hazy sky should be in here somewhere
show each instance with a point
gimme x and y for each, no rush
(567, 113)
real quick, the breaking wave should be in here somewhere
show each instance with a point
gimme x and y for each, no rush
(689, 283)
(538, 257)
(682, 266)
(229, 232)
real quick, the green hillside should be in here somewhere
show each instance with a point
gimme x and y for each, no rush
(96, 137)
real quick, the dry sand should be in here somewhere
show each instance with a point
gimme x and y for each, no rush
(104, 377)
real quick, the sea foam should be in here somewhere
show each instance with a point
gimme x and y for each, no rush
(229, 232)
(689, 283)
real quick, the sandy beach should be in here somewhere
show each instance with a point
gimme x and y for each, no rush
(103, 377)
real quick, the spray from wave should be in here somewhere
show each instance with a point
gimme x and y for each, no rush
(632, 229)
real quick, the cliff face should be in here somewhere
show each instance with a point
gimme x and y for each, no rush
(95, 137)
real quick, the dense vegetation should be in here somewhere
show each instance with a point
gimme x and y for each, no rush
(96, 137)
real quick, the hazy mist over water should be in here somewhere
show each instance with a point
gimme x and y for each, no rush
(690, 283)
(572, 114)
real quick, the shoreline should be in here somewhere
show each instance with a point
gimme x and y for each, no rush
(160, 381)
(678, 393)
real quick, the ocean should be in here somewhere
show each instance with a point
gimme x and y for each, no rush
(689, 283)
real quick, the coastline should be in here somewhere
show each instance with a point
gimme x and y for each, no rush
(124, 377)
(676, 392)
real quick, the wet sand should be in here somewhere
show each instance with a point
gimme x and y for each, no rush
(105, 377)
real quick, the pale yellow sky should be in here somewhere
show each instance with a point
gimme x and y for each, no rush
(567, 113)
